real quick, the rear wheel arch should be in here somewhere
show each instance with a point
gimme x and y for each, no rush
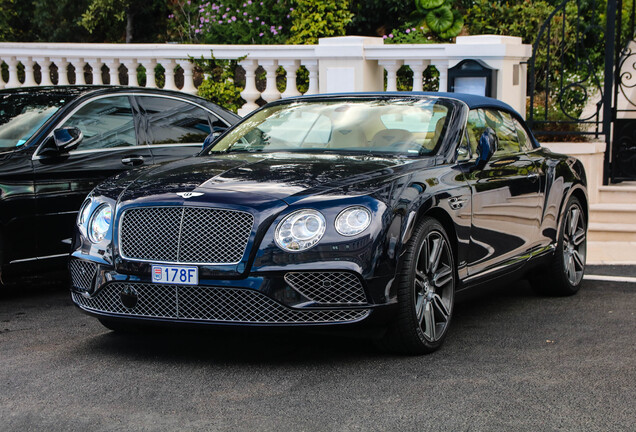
(578, 192)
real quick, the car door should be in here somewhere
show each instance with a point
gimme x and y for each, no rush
(110, 145)
(506, 200)
(17, 207)
(176, 128)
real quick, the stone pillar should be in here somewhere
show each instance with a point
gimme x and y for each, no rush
(113, 70)
(12, 63)
(169, 74)
(62, 70)
(78, 65)
(291, 67)
(29, 77)
(96, 70)
(312, 68)
(250, 94)
(131, 68)
(391, 67)
(149, 65)
(271, 92)
(343, 66)
(442, 68)
(418, 67)
(188, 76)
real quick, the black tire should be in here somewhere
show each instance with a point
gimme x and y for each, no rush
(564, 274)
(426, 292)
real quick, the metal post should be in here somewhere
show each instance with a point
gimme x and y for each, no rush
(608, 111)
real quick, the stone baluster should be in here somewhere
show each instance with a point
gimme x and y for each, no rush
(12, 63)
(418, 67)
(96, 70)
(250, 94)
(188, 76)
(62, 70)
(391, 67)
(271, 92)
(131, 68)
(169, 66)
(291, 67)
(149, 65)
(113, 70)
(45, 70)
(312, 67)
(442, 68)
(78, 65)
(29, 77)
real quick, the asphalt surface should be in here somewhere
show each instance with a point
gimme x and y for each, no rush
(512, 362)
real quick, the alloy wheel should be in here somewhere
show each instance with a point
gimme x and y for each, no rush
(574, 244)
(434, 286)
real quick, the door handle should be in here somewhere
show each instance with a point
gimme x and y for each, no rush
(533, 177)
(133, 160)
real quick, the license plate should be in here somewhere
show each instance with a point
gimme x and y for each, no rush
(179, 275)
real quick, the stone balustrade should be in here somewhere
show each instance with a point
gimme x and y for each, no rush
(349, 63)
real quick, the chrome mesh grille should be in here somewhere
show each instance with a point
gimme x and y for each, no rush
(82, 274)
(328, 287)
(208, 304)
(193, 235)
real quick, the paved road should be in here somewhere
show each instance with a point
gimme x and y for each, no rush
(512, 362)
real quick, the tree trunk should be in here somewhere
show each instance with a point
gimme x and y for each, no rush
(129, 26)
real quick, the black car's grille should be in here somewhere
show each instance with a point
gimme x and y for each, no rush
(328, 287)
(82, 274)
(193, 235)
(199, 303)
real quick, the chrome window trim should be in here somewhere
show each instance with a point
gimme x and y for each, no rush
(36, 155)
(121, 253)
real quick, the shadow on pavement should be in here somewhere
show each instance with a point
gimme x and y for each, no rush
(279, 346)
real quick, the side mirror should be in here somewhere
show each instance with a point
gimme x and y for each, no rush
(216, 132)
(67, 139)
(486, 147)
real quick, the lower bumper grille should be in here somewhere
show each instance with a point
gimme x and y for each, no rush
(328, 287)
(198, 303)
(82, 274)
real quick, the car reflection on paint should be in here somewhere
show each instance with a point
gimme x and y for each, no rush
(345, 210)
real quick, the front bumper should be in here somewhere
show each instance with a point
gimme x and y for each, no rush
(287, 298)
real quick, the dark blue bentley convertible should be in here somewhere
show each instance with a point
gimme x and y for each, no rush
(341, 210)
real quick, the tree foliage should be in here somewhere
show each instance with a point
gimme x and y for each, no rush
(230, 21)
(133, 20)
(313, 19)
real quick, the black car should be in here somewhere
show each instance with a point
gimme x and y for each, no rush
(57, 143)
(338, 210)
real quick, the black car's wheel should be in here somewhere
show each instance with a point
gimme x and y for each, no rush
(565, 272)
(426, 292)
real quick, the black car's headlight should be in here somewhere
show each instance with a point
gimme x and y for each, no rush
(85, 211)
(353, 220)
(300, 230)
(99, 223)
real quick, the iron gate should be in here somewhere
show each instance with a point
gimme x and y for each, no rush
(582, 79)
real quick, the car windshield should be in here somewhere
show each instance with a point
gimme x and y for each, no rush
(406, 127)
(22, 114)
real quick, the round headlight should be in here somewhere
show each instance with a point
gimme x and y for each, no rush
(353, 220)
(99, 223)
(300, 230)
(85, 210)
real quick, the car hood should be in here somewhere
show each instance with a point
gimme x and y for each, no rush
(284, 176)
